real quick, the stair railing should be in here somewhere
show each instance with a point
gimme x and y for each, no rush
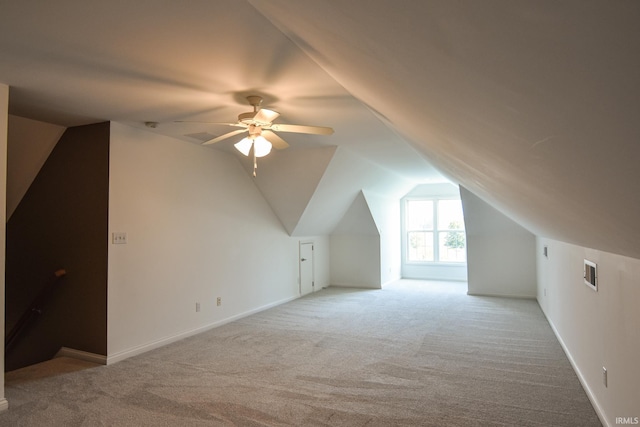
(35, 309)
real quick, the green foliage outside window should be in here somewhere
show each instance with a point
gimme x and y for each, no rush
(455, 239)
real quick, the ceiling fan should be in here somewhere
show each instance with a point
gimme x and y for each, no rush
(260, 127)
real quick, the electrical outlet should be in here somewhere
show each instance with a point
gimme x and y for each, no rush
(604, 376)
(197, 307)
(218, 301)
(119, 238)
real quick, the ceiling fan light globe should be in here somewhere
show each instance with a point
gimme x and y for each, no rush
(261, 146)
(244, 146)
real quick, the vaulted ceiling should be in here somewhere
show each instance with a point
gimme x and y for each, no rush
(532, 106)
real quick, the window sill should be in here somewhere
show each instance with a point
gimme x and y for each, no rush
(435, 264)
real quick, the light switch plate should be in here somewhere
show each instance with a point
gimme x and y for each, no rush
(119, 238)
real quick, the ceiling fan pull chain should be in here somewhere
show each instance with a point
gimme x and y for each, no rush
(255, 162)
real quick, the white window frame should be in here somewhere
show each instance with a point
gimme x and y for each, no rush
(435, 231)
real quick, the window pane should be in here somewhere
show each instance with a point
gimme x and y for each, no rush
(451, 246)
(419, 215)
(450, 215)
(420, 246)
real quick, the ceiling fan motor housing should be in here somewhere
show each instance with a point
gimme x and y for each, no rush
(247, 118)
(251, 118)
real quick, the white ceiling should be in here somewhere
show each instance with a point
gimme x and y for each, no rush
(532, 106)
(79, 62)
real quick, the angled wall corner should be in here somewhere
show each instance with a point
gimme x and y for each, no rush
(385, 211)
(358, 219)
(29, 144)
(355, 248)
(288, 180)
(345, 177)
(501, 255)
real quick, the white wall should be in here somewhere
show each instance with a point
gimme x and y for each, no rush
(355, 260)
(386, 214)
(322, 261)
(197, 229)
(4, 117)
(597, 329)
(355, 248)
(500, 253)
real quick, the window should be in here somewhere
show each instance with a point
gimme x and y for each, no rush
(435, 231)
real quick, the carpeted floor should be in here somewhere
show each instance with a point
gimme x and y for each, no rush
(414, 353)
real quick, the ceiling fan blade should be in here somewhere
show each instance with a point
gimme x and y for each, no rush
(225, 136)
(275, 140)
(240, 125)
(315, 130)
(266, 116)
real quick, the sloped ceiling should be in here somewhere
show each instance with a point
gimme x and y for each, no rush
(78, 62)
(532, 106)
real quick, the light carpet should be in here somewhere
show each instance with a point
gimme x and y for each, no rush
(413, 353)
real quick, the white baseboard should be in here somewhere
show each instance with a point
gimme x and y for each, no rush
(388, 282)
(143, 348)
(487, 294)
(4, 404)
(585, 385)
(354, 286)
(81, 355)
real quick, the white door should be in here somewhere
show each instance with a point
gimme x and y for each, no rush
(306, 268)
